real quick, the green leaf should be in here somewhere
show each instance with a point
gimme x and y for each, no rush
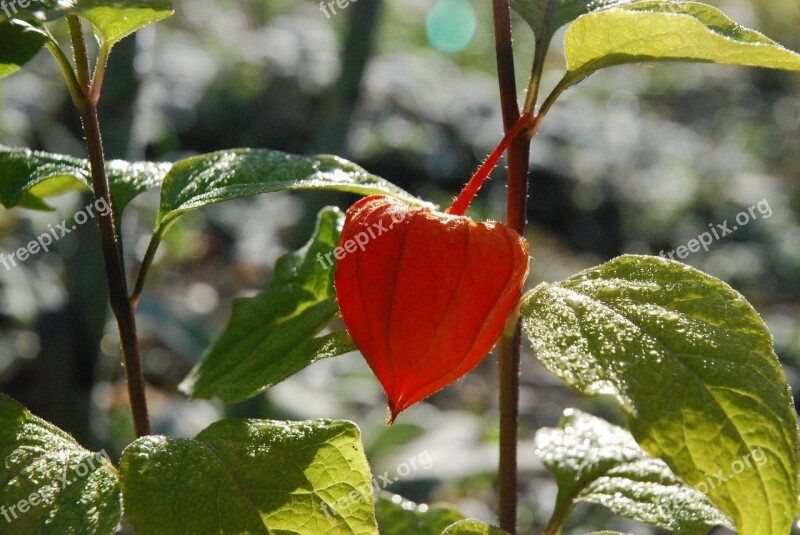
(271, 336)
(398, 516)
(32, 202)
(22, 170)
(250, 476)
(130, 179)
(473, 527)
(114, 20)
(28, 175)
(692, 364)
(19, 42)
(50, 484)
(664, 30)
(600, 463)
(232, 174)
(545, 17)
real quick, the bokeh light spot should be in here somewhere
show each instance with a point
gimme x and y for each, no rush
(451, 25)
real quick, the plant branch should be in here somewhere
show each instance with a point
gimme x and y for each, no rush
(532, 96)
(539, 57)
(99, 72)
(509, 346)
(566, 82)
(147, 261)
(80, 55)
(560, 516)
(112, 250)
(75, 89)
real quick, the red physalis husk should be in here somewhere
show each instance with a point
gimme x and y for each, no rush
(426, 299)
(426, 294)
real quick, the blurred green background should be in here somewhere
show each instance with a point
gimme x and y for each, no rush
(637, 159)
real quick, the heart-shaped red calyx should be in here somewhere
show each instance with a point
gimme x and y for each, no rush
(424, 294)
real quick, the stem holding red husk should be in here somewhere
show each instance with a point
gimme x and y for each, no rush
(464, 199)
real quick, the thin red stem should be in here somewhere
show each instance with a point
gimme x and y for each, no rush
(464, 199)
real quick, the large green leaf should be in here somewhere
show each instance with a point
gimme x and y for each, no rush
(22, 170)
(114, 20)
(545, 17)
(272, 336)
(473, 527)
(49, 484)
(19, 42)
(250, 476)
(597, 462)
(692, 364)
(661, 30)
(26, 174)
(398, 516)
(232, 174)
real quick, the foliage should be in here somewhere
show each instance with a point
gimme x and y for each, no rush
(272, 336)
(713, 432)
(597, 462)
(678, 350)
(28, 177)
(249, 476)
(50, 483)
(654, 30)
(27, 41)
(397, 516)
(472, 527)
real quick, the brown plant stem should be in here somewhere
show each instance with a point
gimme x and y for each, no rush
(112, 250)
(509, 346)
